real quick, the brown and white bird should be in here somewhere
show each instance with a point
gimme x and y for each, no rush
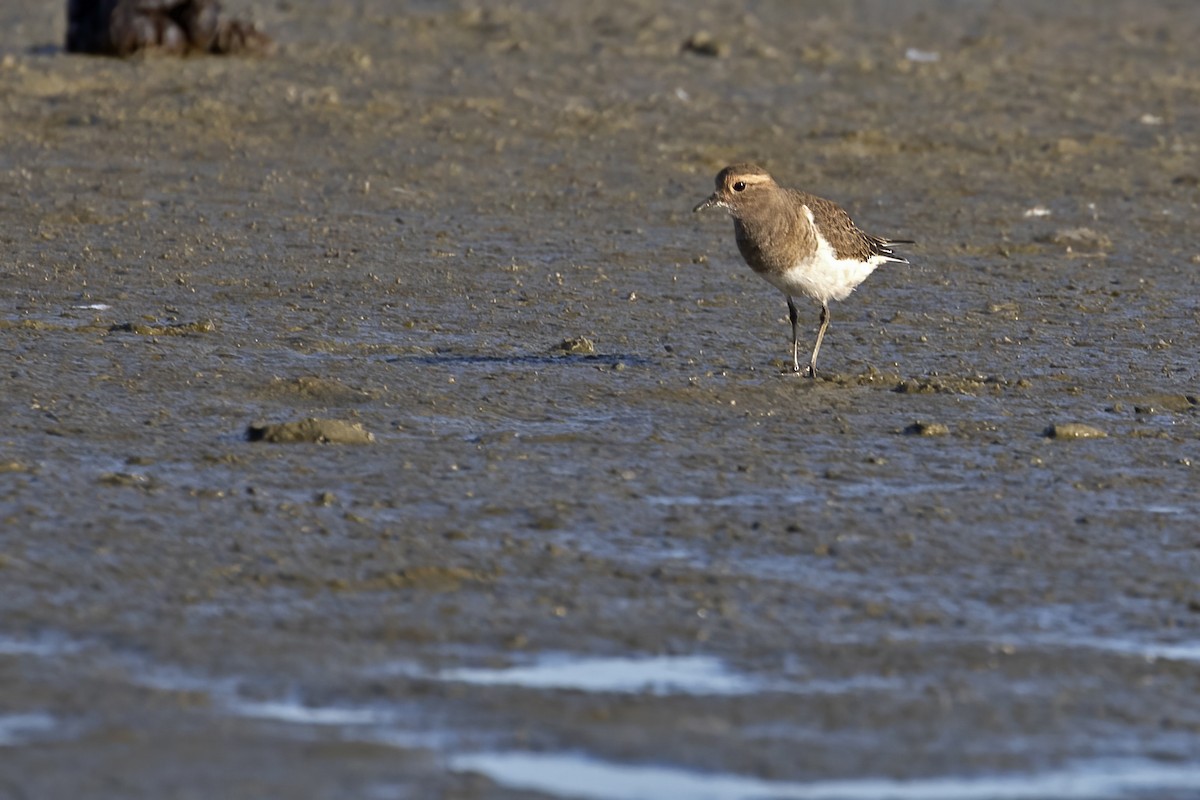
(801, 244)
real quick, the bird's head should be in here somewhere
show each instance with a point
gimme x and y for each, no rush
(739, 187)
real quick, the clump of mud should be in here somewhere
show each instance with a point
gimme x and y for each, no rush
(174, 27)
(169, 329)
(927, 429)
(579, 346)
(310, 431)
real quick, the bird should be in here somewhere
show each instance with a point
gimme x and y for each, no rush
(803, 245)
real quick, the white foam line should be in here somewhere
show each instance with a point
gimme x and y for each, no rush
(15, 728)
(414, 740)
(1148, 651)
(170, 679)
(224, 693)
(298, 714)
(700, 675)
(746, 500)
(45, 646)
(577, 776)
(657, 675)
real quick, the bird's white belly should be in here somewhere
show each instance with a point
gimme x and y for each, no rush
(822, 275)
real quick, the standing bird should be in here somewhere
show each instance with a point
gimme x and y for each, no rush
(799, 243)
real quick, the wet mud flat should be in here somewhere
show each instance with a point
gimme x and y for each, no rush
(961, 563)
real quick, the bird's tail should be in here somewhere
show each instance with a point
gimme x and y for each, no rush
(883, 248)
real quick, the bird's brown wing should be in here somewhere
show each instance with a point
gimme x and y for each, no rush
(842, 234)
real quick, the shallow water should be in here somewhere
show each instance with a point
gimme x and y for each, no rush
(568, 775)
(662, 558)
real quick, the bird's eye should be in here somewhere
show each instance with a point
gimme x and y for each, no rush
(740, 186)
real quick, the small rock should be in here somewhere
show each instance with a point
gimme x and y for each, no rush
(579, 346)
(927, 429)
(170, 329)
(765, 51)
(1074, 430)
(1067, 146)
(325, 390)
(125, 479)
(1157, 403)
(1007, 310)
(703, 44)
(178, 27)
(315, 431)
(1078, 239)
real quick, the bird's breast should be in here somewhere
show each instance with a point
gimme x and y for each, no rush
(767, 251)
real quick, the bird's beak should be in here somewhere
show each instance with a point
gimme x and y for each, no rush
(713, 201)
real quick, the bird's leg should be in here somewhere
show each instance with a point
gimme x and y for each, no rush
(812, 364)
(794, 316)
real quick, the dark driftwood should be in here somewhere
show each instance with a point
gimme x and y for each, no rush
(123, 27)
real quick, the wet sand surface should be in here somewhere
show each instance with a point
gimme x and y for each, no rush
(654, 566)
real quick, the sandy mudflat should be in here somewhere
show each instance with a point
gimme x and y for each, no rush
(395, 223)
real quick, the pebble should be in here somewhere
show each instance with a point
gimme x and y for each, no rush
(927, 429)
(1074, 430)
